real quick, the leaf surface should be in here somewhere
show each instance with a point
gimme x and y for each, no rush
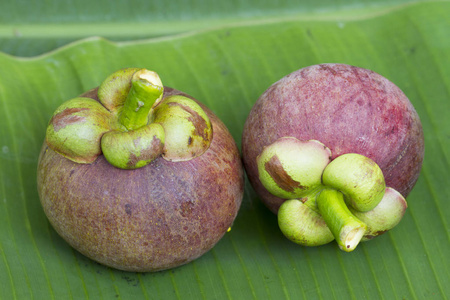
(227, 67)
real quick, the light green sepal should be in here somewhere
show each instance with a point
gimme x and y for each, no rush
(133, 149)
(290, 168)
(187, 127)
(76, 128)
(385, 216)
(113, 91)
(302, 225)
(358, 177)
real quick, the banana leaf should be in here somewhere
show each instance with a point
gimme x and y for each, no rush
(225, 55)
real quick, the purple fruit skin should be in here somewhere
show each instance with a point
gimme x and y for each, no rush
(157, 217)
(350, 110)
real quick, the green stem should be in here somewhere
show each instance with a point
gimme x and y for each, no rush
(346, 228)
(143, 94)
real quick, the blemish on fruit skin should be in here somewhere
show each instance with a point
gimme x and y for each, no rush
(149, 153)
(200, 124)
(326, 67)
(67, 117)
(137, 141)
(187, 208)
(280, 176)
(375, 234)
(128, 209)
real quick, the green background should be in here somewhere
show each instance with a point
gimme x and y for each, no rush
(225, 54)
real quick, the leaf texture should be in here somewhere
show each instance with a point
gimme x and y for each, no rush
(227, 68)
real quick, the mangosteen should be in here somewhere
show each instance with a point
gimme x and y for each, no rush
(138, 176)
(333, 150)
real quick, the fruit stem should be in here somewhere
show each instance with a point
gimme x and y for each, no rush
(146, 89)
(346, 228)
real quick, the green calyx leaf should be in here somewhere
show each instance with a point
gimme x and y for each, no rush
(385, 216)
(303, 225)
(359, 178)
(133, 149)
(128, 125)
(347, 195)
(76, 128)
(187, 127)
(290, 168)
(113, 91)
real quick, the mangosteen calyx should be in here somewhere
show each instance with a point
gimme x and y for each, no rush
(130, 124)
(345, 199)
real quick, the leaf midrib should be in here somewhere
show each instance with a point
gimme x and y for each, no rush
(172, 29)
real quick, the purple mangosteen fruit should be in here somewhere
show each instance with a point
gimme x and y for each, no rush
(138, 176)
(333, 150)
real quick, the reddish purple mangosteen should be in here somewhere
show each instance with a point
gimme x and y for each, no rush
(138, 176)
(333, 150)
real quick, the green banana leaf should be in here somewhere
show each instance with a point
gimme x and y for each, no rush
(226, 57)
